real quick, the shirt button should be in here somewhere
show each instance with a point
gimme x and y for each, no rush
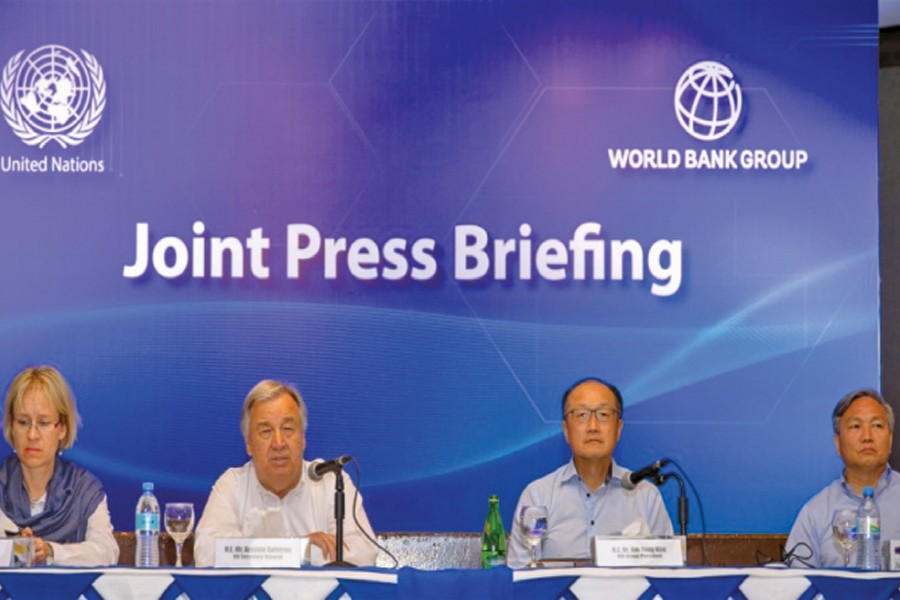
(592, 522)
(588, 495)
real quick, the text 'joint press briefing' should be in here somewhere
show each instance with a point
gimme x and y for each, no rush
(580, 258)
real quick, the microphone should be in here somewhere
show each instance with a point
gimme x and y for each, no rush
(630, 480)
(318, 468)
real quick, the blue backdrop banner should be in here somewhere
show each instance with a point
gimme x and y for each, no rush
(433, 217)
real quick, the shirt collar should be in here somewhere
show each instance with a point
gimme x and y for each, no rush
(618, 472)
(262, 489)
(615, 473)
(883, 483)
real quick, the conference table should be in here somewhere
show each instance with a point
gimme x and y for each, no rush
(770, 583)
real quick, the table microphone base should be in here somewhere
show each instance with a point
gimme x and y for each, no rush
(339, 563)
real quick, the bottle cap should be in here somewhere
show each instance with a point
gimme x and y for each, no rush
(494, 498)
(148, 486)
(867, 491)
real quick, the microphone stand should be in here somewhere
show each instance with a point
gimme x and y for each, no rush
(682, 499)
(339, 520)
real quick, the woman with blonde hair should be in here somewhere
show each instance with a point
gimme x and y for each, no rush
(42, 495)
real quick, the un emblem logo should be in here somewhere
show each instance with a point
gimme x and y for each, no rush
(52, 94)
(708, 101)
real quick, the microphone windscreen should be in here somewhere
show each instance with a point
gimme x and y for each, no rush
(312, 472)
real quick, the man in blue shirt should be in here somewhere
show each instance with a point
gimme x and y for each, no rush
(863, 426)
(585, 497)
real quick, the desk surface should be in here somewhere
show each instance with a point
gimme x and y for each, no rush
(313, 583)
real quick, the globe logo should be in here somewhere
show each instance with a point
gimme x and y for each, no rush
(52, 94)
(708, 100)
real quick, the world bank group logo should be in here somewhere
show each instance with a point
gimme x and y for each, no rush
(708, 101)
(708, 105)
(52, 94)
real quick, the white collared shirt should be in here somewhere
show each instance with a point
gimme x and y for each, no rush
(239, 506)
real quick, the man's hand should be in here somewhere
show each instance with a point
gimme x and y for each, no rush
(327, 543)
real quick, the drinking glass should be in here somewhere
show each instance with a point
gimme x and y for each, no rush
(179, 518)
(23, 552)
(843, 526)
(533, 521)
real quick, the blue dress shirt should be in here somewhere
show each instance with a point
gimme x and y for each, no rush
(576, 514)
(813, 524)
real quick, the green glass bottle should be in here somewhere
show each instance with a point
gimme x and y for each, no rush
(493, 540)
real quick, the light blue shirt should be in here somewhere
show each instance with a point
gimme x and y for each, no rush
(576, 514)
(813, 524)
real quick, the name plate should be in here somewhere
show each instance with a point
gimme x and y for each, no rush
(638, 552)
(893, 561)
(6, 553)
(261, 553)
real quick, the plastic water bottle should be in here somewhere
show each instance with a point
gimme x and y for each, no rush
(493, 540)
(868, 533)
(146, 529)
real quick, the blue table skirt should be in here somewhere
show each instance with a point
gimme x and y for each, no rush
(495, 584)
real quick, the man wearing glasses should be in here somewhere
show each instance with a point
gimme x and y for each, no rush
(585, 497)
(272, 495)
(863, 426)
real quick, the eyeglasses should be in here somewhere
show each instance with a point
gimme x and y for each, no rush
(287, 432)
(43, 425)
(583, 415)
